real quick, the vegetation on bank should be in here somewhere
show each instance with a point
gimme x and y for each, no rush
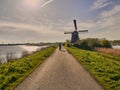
(104, 68)
(95, 44)
(111, 51)
(14, 72)
(91, 43)
(115, 42)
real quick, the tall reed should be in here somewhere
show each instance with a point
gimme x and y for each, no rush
(111, 51)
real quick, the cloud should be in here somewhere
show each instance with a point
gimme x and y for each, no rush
(45, 3)
(100, 4)
(107, 25)
(110, 13)
(111, 18)
(19, 25)
(28, 27)
(23, 32)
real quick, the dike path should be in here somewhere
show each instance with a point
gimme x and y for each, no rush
(61, 71)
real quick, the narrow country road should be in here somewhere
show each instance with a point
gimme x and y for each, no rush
(61, 71)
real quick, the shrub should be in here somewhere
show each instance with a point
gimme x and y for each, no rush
(91, 43)
(10, 56)
(25, 53)
(105, 43)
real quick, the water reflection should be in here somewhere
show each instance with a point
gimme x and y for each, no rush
(116, 47)
(7, 52)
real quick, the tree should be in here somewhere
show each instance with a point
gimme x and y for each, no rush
(105, 43)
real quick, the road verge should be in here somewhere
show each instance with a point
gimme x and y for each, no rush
(104, 68)
(13, 73)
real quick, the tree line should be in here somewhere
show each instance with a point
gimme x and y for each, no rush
(115, 42)
(91, 43)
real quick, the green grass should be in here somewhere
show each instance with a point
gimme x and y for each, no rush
(104, 68)
(13, 73)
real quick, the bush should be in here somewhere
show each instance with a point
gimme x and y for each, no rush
(25, 53)
(91, 43)
(105, 43)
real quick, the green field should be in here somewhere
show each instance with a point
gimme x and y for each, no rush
(12, 73)
(104, 68)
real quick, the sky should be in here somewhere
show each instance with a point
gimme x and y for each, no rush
(35, 21)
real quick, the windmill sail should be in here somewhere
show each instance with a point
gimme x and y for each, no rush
(75, 25)
(83, 31)
(67, 32)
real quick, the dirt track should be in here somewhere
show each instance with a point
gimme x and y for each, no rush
(60, 72)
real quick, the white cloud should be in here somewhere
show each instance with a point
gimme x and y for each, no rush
(23, 32)
(109, 23)
(47, 2)
(111, 18)
(30, 27)
(100, 4)
(110, 13)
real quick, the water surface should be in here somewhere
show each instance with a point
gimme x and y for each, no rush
(16, 51)
(116, 47)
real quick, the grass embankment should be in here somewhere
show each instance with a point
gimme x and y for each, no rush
(104, 68)
(12, 73)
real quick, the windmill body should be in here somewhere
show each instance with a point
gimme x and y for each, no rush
(75, 34)
(74, 37)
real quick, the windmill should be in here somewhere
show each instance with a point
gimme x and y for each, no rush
(75, 34)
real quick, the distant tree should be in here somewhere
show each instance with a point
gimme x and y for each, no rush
(91, 43)
(105, 43)
(67, 43)
(115, 42)
(85, 45)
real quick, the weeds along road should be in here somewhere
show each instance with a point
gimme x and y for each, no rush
(60, 72)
